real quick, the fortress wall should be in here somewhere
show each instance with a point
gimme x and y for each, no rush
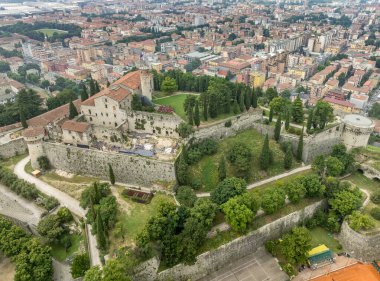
(214, 260)
(239, 123)
(359, 246)
(127, 168)
(13, 148)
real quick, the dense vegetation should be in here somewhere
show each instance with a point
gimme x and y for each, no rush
(33, 261)
(26, 190)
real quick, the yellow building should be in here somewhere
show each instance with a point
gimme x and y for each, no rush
(257, 79)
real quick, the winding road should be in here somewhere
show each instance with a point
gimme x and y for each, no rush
(65, 200)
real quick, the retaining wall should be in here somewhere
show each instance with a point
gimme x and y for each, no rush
(13, 148)
(360, 246)
(127, 168)
(214, 260)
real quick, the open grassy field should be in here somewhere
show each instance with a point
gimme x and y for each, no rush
(206, 170)
(133, 216)
(49, 32)
(59, 252)
(10, 163)
(321, 236)
(175, 101)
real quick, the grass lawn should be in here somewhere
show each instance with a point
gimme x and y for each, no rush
(206, 170)
(10, 163)
(49, 32)
(59, 252)
(321, 236)
(135, 218)
(175, 101)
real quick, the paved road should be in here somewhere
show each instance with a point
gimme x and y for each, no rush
(268, 180)
(64, 199)
(15, 206)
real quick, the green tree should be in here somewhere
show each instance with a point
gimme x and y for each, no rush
(65, 215)
(328, 166)
(169, 85)
(346, 201)
(92, 87)
(50, 227)
(111, 174)
(222, 171)
(197, 117)
(277, 129)
(136, 102)
(309, 121)
(240, 156)
(295, 191)
(181, 169)
(241, 102)
(186, 196)
(247, 98)
(93, 274)
(323, 113)
(23, 119)
(300, 147)
(227, 189)
(29, 102)
(297, 110)
(114, 270)
(254, 99)
(72, 111)
(250, 200)
(359, 221)
(235, 107)
(288, 158)
(270, 114)
(80, 264)
(83, 93)
(287, 121)
(295, 245)
(184, 130)
(101, 235)
(273, 200)
(237, 214)
(265, 156)
(313, 186)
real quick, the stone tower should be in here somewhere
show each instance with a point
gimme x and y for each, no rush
(147, 85)
(34, 139)
(357, 130)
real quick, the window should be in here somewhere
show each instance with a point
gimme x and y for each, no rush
(105, 100)
(115, 124)
(96, 114)
(90, 118)
(107, 114)
(105, 106)
(101, 113)
(89, 111)
(104, 123)
(114, 115)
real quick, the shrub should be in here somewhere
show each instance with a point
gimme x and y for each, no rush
(43, 163)
(375, 213)
(375, 197)
(288, 269)
(65, 215)
(359, 221)
(186, 196)
(228, 124)
(80, 265)
(273, 200)
(228, 188)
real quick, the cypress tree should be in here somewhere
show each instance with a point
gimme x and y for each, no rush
(222, 173)
(23, 119)
(190, 115)
(309, 121)
(297, 110)
(92, 87)
(288, 158)
(300, 147)
(108, 83)
(100, 232)
(247, 98)
(265, 156)
(97, 88)
(204, 105)
(83, 93)
(111, 174)
(270, 114)
(277, 129)
(254, 98)
(241, 102)
(287, 121)
(235, 107)
(72, 111)
(197, 118)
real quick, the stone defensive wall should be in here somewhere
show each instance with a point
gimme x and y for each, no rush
(127, 168)
(370, 172)
(214, 260)
(13, 148)
(316, 144)
(218, 130)
(360, 246)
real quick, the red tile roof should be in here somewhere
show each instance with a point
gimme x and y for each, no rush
(75, 126)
